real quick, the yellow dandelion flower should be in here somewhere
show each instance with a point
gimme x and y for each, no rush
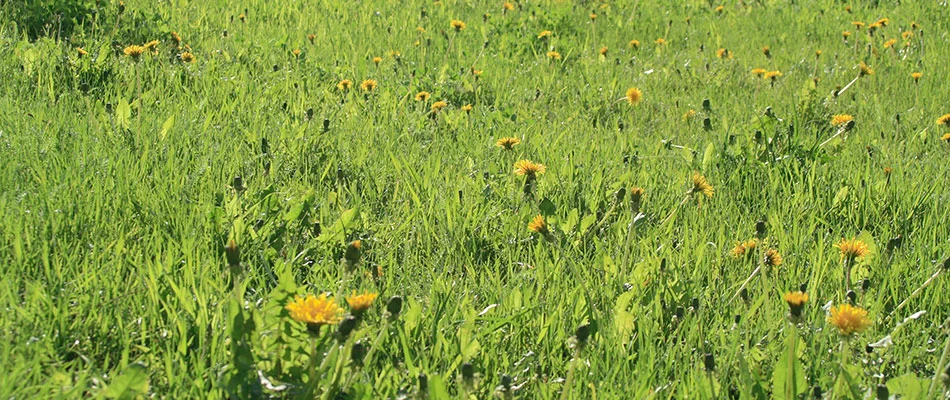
(296, 52)
(360, 303)
(81, 52)
(767, 51)
(422, 96)
(660, 41)
(554, 55)
(152, 45)
(719, 9)
(846, 34)
(796, 301)
(420, 29)
(634, 43)
(311, 37)
(507, 143)
(634, 95)
(466, 108)
(439, 105)
(539, 225)
(772, 258)
(852, 248)
(857, 24)
(529, 169)
(134, 51)
(907, 35)
(476, 72)
(187, 57)
(242, 17)
(944, 120)
(369, 85)
(458, 25)
(344, 85)
(545, 34)
(889, 43)
(739, 250)
(841, 119)
(701, 185)
(945, 137)
(377, 60)
(723, 53)
(507, 6)
(818, 53)
(760, 72)
(176, 37)
(849, 319)
(689, 114)
(883, 22)
(873, 26)
(865, 69)
(603, 51)
(314, 311)
(772, 75)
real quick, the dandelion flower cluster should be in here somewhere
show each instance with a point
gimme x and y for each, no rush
(745, 248)
(841, 119)
(315, 311)
(701, 185)
(529, 169)
(849, 319)
(507, 143)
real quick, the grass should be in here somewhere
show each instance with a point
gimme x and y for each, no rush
(118, 198)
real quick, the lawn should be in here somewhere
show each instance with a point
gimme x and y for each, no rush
(469, 199)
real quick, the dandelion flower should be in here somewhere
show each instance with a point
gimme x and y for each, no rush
(603, 51)
(719, 9)
(846, 34)
(760, 72)
(539, 225)
(187, 57)
(422, 96)
(360, 303)
(689, 114)
(466, 108)
(857, 24)
(739, 250)
(796, 301)
(438, 106)
(544, 34)
(368, 85)
(890, 43)
(945, 137)
(660, 41)
(723, 53)
(458, 25)
(176, 37)
(841, 119)
(883, 22)
(772, 75)
(152, 45)
(634, 95)
(296, 52)
(314, 311)
(554, 55)
(507, 6)
(81, 52)
(701, 185)
(529, 169)
(476, 72)
(634, 43)
(344, 85)
(767, 51)
(772, 258)
(849, 319)
(134, 51)
(593, 16)
(507, 143)
(944, 120)
(852, 248)
(907, 35)
(865, 69)
(377, 60)
(311, 37)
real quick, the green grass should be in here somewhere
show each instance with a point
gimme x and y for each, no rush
(117, 200)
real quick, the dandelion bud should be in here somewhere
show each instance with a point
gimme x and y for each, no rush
(882, 392)
(695, 304)
(709, 361)
(357, 353)
(238, 184)
(679, 312)
(468, 372)
(394, 306)
(744, 294)
(760, 229)
(707, 124)
(326, 125)
(707, 105)
(233, 254)
(852, 296)
(636, 199)
(352, 254)
(582, 333)
(423, 384)
(817, 392)
(347, 326)
(865, 285)
(620, 194)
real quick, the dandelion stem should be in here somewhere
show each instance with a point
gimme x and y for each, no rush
(669, 217)
(746, 282)
(940, 365)
(569, 381)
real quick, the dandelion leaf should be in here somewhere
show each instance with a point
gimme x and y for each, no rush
(132, 383)
(908, 386)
